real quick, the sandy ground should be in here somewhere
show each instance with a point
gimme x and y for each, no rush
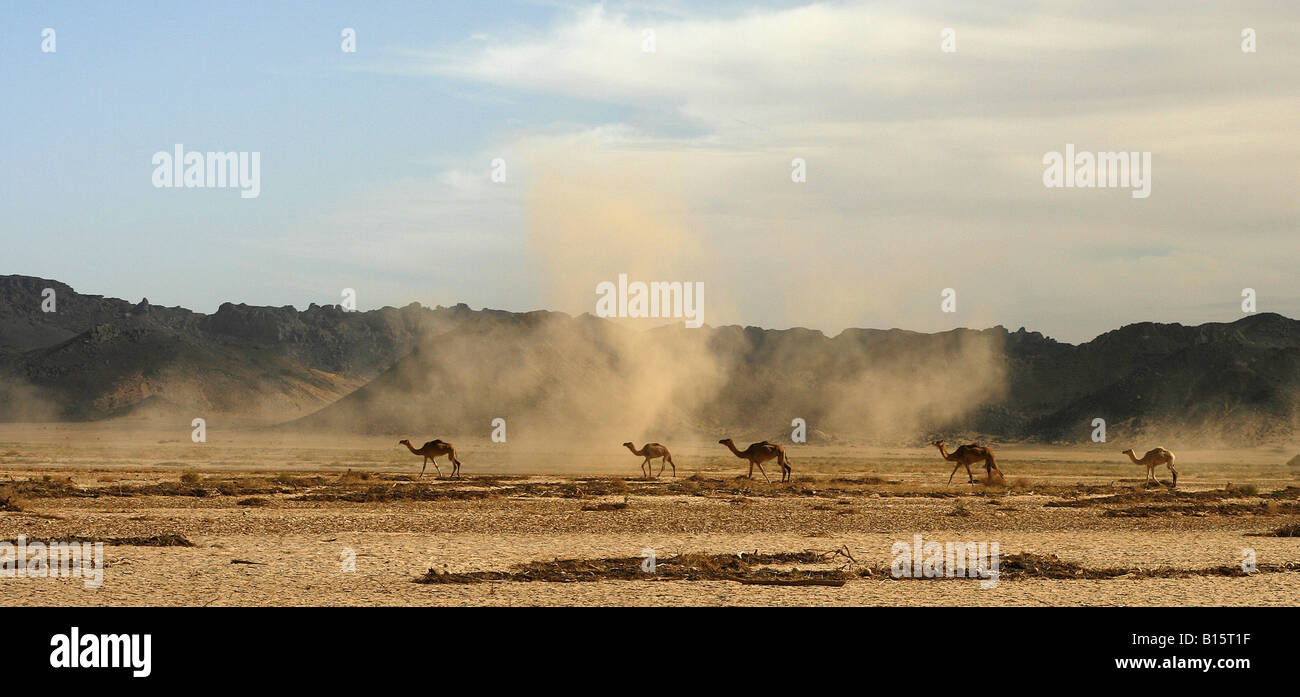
(300, 547)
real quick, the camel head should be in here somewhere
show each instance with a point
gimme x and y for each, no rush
(1126, 452)
(725, 441)
(403, 442)
(629, 445)
(937, 443)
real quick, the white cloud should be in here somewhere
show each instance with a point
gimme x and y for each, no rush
(924, 167)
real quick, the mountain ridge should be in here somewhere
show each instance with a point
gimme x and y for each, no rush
(454, 369)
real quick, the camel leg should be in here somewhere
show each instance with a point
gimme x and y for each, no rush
(1171, 469)
(954, 472)
(647, 468)
(436, 468)
(663, 462)
(970, 478)
(751, 469)
(674, 464)
(426, 464)
(760, 469)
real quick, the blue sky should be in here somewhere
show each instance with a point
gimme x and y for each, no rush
(126, 81)
(924, 167)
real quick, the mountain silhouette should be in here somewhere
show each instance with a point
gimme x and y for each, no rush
(454, 369)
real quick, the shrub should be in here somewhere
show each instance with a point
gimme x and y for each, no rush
(9, 500)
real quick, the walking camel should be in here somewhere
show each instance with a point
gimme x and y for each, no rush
(1153, 458)
(431, 451)
(967, 455)
(653, 451)
(760, 452)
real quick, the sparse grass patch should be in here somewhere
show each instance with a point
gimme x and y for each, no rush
(606, 507)
(392, 492)
(1292, 530)
(164, 540)
(742, 568)
(757, 569)
(191, 478)
(10, 500)
(286, 478)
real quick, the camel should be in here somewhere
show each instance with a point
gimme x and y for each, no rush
(760, 452)
(650, 452)
(431, 451)
(967, 455)
(1153, 458)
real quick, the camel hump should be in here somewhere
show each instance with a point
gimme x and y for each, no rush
(433, 442)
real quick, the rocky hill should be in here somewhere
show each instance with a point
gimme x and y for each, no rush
(96, 357)
(1214, 384)
(454, 370)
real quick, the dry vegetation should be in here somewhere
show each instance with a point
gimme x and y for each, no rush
(270, 525)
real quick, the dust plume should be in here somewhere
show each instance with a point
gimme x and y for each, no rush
(900, 395)
(21, 402)
(610, 211)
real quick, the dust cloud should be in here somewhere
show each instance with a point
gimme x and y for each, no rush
(605, 214)
(21, 402)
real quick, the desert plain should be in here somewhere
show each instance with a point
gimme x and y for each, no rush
(258, 517)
